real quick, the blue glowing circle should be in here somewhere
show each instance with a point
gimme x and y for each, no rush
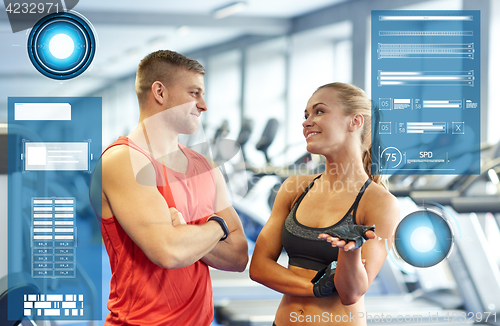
(423, 239)
(61, 26)
(61, 46)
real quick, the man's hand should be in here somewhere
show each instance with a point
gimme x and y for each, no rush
(176, 217)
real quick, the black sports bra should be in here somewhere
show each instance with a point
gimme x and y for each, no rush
(301, 242)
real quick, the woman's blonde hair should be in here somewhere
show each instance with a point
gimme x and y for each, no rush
(355, 101)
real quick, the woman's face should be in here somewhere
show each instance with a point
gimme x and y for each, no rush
(326, 125)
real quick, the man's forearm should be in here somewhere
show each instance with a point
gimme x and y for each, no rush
(189, 243)
(229, 255)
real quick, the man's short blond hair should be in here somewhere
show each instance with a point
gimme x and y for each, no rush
(162, 66)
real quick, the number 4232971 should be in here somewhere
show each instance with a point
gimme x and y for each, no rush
(32, 8)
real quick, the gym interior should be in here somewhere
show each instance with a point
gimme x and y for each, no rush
(262, 63)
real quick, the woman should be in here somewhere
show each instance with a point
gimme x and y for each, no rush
(310, 222)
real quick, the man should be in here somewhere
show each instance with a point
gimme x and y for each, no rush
(159, 254)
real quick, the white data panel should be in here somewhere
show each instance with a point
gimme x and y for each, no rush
(68, 156)
(42, 111)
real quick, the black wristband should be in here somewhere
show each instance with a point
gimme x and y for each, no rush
(324, 283)
(222, 224)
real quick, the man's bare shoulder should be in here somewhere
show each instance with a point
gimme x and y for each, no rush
(209, 160)
(125, 163)
(118, 153)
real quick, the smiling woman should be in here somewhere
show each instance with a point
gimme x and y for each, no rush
(327, 222)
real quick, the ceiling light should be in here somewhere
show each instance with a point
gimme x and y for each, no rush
(493, 176)
(183, 30)
(157, 41)
(133, 52)
(229, 9)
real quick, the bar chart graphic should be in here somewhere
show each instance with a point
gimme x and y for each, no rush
(442, 104)
(425, 127)
(429, 78)
(425, 84)
(53, 238)
(402, 50)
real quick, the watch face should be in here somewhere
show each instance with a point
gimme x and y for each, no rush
(61, 45)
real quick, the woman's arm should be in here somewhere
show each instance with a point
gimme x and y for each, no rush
(263, 267)
(352, 279)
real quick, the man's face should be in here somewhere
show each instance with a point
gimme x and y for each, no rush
(185, 101)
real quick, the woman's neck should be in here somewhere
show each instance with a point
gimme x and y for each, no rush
(344, 166)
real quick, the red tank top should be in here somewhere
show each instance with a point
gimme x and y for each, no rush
(142, 293)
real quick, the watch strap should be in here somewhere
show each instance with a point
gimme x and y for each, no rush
(222, 224)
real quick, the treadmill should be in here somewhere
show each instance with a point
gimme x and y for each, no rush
(483, 270)
(476, 273)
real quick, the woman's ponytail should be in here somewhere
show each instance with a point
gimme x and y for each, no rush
(367, 164)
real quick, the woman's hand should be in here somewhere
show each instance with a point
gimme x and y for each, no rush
(349, 237)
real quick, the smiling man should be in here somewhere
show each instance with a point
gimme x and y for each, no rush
(159, 254)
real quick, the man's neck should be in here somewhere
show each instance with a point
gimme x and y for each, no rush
(154, 137)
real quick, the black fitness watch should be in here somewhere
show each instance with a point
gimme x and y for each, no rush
(222, 224)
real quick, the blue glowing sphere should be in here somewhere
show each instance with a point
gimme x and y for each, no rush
(423, 239)
(61, 45)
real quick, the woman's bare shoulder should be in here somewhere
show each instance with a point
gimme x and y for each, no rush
(376, 190)
(294, 185)
(380, 207)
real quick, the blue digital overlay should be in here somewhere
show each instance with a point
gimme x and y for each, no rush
(425, 87)
(54, 242)
(61, 45)
(423, 238)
